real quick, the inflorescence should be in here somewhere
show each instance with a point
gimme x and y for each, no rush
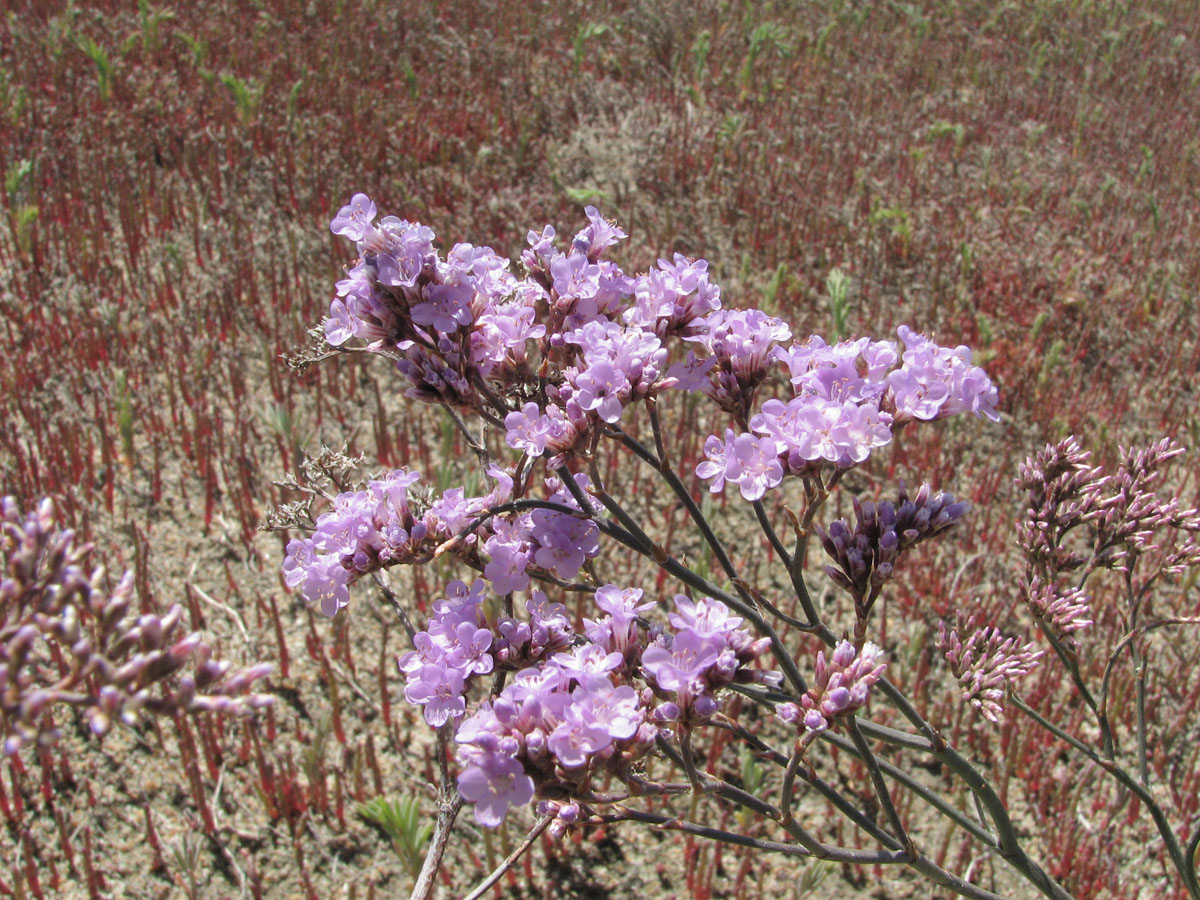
(555, 358)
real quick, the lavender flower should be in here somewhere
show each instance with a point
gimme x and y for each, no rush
(752, 463)
(354, 220)
(495, 783)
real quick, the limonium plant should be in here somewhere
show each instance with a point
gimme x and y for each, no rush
(567, 706)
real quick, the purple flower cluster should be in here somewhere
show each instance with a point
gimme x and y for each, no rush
(848, 399)
(559, 354)
(706, 651)
(741, 344)
(569, 347)
(840, 687)
(378, 527)
(578, 705)
(364, 531)
(675, 298)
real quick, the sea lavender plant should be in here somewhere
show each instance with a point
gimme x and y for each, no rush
(567, 709)
(66, 642)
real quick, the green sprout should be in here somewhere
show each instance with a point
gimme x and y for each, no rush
(104, 68)
(837, 283)
(401, 822)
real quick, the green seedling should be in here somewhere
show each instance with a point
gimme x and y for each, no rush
(837, 284)
(767, 36)
(401, 822)
(752, 781)
(585, 33)
(901, 224)
(586, 195)
(15, 178)
(701, 48)
(123, 406)
(104, 68)
(151, 19)
(770, 297)
(247, 94)
(939, 130)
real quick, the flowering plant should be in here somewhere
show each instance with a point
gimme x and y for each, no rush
(567, 362)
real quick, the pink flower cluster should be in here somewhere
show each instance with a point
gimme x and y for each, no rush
(985, 663)
(840, 687)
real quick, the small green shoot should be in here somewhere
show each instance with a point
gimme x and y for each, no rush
(151, 18)
(941, 129)
(123, 404)
(770, 298)
(752, 780)
(400, 821)
(701, 47)
(586, 32)
(15, 178)
(247, 94)
(586, 195)
(837, 284)
(104, 68)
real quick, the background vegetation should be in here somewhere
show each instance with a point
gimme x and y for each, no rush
(1019, 177)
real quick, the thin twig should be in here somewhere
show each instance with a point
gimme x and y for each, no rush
(483, 886)
(881, 788)
(225, 608)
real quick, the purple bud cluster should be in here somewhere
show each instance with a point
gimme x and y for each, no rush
(65, 641)
(1061, 610)
(1133, 521)
(840, 687)
(579, 705)
(986, 663)
(864, 557)
(1064, 492)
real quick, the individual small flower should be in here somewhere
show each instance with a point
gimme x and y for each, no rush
(494, 784)
(750, 462)
(677, 665)
(986, 663)
(599, 235)
(354, 219)
(438, 690)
